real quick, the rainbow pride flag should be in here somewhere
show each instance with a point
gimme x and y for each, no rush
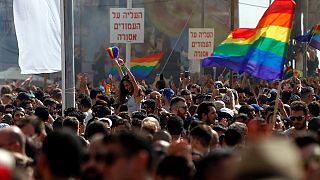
(288, 73)
(258, 51)
(312, 37)
(142, 67)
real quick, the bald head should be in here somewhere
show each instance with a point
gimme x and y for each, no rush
(12, 139)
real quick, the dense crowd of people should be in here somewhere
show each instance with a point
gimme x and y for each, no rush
(197, 129)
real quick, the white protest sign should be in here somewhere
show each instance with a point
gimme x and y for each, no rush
(201, 42)
(126, 25)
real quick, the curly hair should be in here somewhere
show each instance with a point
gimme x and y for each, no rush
(123, 92)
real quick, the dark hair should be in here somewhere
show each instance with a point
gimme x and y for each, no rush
(39, 94)
(42, 113)
(204, 108)
(71, 122)
(210, 163)
(6, 89)
(101, 111)
(95, 127)
(150, 103)
(299, 106)
(161, 84)
(174, 166)
(57, 124)
(123, 92)
(139, 115)
(305, 140)
(185, 92)
(86, 102)
(305, 91)
(248, 110)
(63, 161)
(175, 125)
(314, 108)
(94, 93)
(75, 113)
(132, 144)
(2, 109)
(175, 100)
(49, 102)
(232, 137)
(202, 133)
(242, 116)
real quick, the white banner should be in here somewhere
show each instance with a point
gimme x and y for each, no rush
(37, 24)
(201, 42)
(126, 25)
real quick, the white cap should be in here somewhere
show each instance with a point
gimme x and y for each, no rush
(106, 120)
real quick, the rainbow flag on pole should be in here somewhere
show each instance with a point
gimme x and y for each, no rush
(258, 51)
(142, 67)
(312, 37)
(288, 73)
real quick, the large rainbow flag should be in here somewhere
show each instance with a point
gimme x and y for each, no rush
(312, 37)
(142, 67)
(258, 51)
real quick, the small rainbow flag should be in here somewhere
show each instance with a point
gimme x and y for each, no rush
(142, 67)
(297, 73)
(288, 73)
(113, 52)
(312, 37)
(258, 51)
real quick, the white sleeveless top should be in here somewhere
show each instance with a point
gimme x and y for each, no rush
(132, 105)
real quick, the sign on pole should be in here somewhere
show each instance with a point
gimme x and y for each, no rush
(126, 25)
(201, 42)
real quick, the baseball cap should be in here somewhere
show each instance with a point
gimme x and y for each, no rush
(227, 111)
(106, 120)
(218, 84)
(272, 95)
(219, 104)
(23, 96)
(169, 93)
(257, 107)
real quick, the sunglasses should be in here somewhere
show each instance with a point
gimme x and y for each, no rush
(298, 118)
(183, 107)
(109, 158)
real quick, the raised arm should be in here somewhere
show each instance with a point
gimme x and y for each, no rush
(115, 62)
(131, 77)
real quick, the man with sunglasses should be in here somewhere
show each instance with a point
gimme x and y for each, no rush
(179, 107)
(299, 111)
(128, 156)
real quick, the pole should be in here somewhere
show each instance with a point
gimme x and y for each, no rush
(67, 53)
(128, 45)
(203, 26)
(305, 58)
(232, 9)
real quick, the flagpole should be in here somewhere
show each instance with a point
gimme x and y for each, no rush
(67, 54)
(305, 59)
(128, 45)
(232, 9)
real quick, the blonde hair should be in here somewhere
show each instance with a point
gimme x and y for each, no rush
(150, 124)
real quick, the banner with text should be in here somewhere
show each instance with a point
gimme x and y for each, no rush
(201, 42)
(126, 25)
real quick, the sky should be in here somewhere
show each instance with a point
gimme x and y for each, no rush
(250, 14)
